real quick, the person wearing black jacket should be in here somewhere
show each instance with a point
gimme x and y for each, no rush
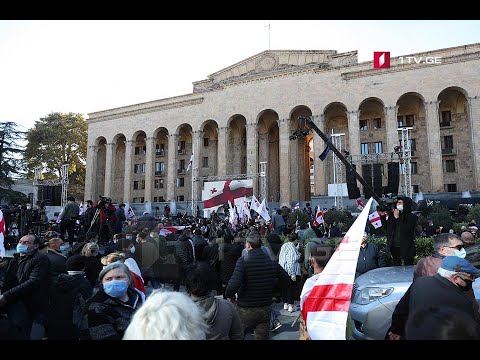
(27, 301)
(369, 257)
(400, 227)
(253, 281)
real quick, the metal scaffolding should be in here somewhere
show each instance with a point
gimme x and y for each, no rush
(338, 171)
(38, 181)
(406, 157)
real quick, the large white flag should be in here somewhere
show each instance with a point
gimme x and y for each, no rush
(263, 212)
(255, 204)
(190, 163)
(325, 303)
(2, 234)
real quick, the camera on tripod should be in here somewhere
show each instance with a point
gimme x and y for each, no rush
(104, 200)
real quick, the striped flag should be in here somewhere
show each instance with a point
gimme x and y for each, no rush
(325, 303)
(375, 219)
(318, 218)
(2, 234)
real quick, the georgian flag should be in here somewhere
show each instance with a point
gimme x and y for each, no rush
(318, 218)
(217, 193)
(325, 302)
(165, 230)
(360, 205)
(2, 234)
(375, 220)
(297, 206)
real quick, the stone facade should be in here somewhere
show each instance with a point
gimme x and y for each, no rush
(244, 114)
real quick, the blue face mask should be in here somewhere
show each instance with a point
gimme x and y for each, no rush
(22, 248)
(460, 253)
(115, 288)
(63, 247)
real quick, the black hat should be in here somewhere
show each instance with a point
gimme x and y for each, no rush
(75, 263)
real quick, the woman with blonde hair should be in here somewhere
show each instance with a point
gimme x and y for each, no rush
(167, 315)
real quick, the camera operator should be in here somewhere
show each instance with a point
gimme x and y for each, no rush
(104, 219)
(68, 217)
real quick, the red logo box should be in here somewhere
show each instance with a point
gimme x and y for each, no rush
(381, 59)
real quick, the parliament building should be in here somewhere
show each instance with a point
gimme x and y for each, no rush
(239, 120)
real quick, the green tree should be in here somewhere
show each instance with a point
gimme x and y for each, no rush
(58, 139)
(11, 161)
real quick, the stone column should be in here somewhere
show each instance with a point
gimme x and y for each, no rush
(391, 126)
(353, 132)
(109, 168)
(127, 185)
(434, 145)
(222, 150)
(149, 167)
(197, 140)
(320, 187)
(284, 160)
(91, 172)
(171, 167)
(473, 105)
(252, 155)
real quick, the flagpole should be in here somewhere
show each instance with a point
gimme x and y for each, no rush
(194, 211)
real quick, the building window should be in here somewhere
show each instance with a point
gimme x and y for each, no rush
(446, 118)
(448, 142)
(181, 166)
(415, 189)
(143, 185)
(139, 199)
(161, 199)
(413, 146)
(160, 168)
(378, 147)
(140, 150)
(160, 150)
(135, 185)
(364, 148)
(181, 147)
(206, 141)
(143, 167)
(451, 187)
(363, 125)
(205, 161)
(159, 183)
(139, 168)
(377, 123)
(450, 166)
(180, 198)
(180, 182)
(413, 168)
(405, 120)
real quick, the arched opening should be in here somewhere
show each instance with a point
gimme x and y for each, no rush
(209, 149)
(139, 167)
(101, 162)
(183, 155)
(118, 168)
(160, 165)
(268, 151)
(237, 146)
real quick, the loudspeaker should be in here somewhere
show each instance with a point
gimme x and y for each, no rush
(367, 176)
(377, 179)
(393, 177)
(52, 193)
(353, 190)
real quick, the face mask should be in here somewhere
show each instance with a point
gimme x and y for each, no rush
(132, 249)
(22, 248)
(152, 234)
(63, 247)
(129, 237)
(468, 285)
(115, 241)
(400, 207)
(460, 253)
(115, 288)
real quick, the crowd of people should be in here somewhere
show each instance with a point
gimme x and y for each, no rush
(108, 279)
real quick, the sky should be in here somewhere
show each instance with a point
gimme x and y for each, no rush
(88, 66)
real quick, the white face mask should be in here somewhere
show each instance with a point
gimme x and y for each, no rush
(400, 207)
(460, 253)
(132, 249)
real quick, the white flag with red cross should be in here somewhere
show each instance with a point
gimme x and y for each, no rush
(325, 303)
(375, 219)
(318, 218)
(360, 205)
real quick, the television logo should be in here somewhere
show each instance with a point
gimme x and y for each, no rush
(381, 59)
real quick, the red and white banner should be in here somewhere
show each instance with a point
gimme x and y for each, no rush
(325, 303)
(318, 218)
(217, 193)
(360, 205)
(164, 231)
(2, 234)
(375, 220)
